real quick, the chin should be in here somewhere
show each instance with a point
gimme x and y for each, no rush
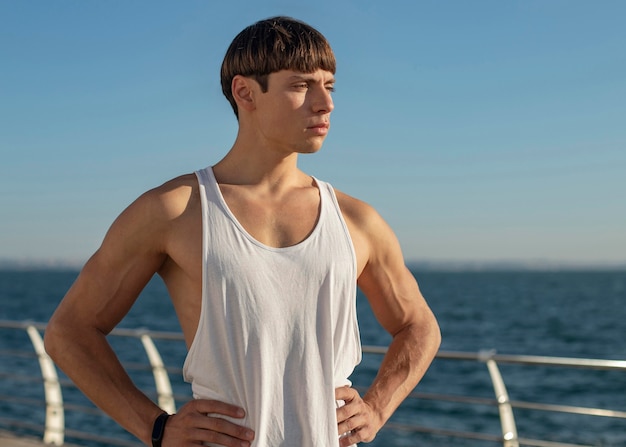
(310, 147)
(309, 150)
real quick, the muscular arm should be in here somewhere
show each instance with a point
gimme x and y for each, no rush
(103, 293)
(399, 306)
(138, 244)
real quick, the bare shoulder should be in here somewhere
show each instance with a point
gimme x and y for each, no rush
(363, 218)
(357, 212)
(144, 225)
(172, 198)
(374, 241)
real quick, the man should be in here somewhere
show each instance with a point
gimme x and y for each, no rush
(261, 262)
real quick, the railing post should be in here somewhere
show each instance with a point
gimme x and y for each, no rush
(507, 421)
(55, 416)
(161, 379)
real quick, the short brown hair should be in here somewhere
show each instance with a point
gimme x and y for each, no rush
(271, 45)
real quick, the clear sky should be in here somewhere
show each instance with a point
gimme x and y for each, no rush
(480, 130)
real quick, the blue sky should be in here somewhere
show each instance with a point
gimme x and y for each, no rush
(481, 131)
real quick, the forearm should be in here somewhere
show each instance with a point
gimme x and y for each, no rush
(89, 361)
(407, 359)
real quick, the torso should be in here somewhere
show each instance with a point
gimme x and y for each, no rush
(276, 223)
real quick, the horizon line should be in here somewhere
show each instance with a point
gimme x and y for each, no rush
(417, 264)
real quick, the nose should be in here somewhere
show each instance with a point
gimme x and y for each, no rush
(323, 101)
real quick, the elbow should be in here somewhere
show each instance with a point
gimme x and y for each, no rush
(423, 336)
(52, 339)
(57, 337)
(436, 334)
(429, 333)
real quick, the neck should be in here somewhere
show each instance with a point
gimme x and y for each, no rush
(248, 165)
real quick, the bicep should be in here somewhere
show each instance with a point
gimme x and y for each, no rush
(391, 289)
(112, 279)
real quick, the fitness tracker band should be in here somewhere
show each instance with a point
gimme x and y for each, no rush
(158, 429)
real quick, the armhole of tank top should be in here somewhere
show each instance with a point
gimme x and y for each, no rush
(355, 322)
(333, 197)
(201, 176)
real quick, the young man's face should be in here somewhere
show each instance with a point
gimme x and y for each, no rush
(294, 114)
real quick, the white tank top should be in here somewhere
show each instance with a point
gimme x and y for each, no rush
(278, 329)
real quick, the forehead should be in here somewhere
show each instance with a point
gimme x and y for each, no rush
(318, 75)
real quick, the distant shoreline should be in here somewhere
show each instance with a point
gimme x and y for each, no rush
(40, 264)
(416, 265)
(504, 265)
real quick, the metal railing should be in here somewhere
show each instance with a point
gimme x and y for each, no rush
(56, 425)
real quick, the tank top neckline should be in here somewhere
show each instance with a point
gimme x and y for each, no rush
(218, 192)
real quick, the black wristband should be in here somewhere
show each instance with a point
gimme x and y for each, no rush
(158, 429)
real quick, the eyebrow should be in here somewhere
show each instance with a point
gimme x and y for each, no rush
(310, 79)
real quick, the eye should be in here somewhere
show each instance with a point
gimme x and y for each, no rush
(330, 88)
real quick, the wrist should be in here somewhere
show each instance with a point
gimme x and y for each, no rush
(378, 412)
(158, 429)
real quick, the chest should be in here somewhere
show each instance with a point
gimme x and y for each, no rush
(276, 221)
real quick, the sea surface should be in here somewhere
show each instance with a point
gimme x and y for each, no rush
(548, 313)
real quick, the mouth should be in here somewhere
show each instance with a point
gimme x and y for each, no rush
(323, 125)
(320, 130)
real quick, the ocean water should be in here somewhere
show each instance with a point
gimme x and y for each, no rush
(556, 313)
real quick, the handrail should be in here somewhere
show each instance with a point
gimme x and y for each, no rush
(509, 429)
(161, 379)
(585, 363)
(54, 427)
(55, 415)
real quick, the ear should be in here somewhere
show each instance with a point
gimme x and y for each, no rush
(243, 92)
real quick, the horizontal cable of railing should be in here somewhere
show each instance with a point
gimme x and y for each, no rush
(481, 356)
(453, 355)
